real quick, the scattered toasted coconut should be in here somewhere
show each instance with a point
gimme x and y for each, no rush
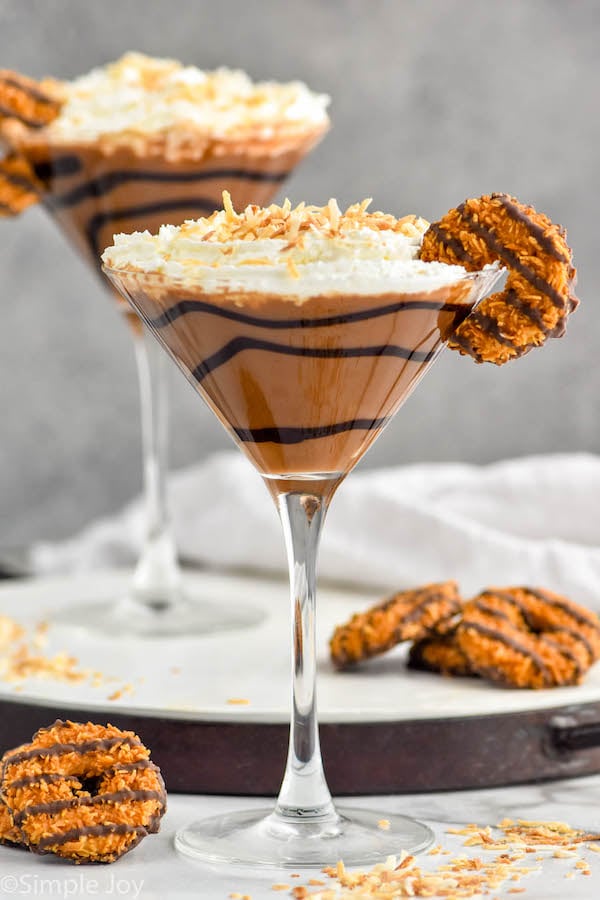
(462, 876)
(22, 658)
(290, 224)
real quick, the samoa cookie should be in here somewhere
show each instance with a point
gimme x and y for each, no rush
(30, 102)
(439, 653)
(500, 640)
(557, 616)
(407, 615)
(87, 793)
(538, 293)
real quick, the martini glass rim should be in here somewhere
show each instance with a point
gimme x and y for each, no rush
(488, 273)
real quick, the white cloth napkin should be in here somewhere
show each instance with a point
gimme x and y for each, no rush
(532, 520)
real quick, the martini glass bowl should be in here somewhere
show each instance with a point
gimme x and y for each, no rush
(304, 390)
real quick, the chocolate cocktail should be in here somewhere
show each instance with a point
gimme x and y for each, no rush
(137, 144)
(304, 330)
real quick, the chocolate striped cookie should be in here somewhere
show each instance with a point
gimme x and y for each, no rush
(408, 615)
(87, 793)
(538, 294)
(439, 653)
(528, 638)
(26, 100)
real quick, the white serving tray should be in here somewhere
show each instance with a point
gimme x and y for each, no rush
(196, 677)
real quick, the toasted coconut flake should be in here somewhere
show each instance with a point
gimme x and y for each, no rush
(461, 877)
(334, 214)
(290, 224)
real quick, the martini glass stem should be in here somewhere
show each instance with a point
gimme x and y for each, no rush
(156, 580)
(304, 793)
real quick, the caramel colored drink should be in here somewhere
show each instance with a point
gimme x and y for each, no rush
(305, 389)
(304, 330)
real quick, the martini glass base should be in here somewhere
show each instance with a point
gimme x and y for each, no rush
(259, 838)
(152, 618)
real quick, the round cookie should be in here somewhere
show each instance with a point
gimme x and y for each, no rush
(26, 100)
(538, 294)
(557, 616)
(87, 793)
(407, 615)
(503, 641)
(439, 653)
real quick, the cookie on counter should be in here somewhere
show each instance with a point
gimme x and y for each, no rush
(86, 793)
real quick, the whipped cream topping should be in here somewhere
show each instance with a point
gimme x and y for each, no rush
(145, 95)
(301, 252)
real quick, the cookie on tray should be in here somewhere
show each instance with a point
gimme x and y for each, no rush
(407, 615)
(439, 653)
(528, 638)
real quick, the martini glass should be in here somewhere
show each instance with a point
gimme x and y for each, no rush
(304, 390)
(92, 192)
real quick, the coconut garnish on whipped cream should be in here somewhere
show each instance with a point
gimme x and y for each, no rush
(144, 95)
(297, 251)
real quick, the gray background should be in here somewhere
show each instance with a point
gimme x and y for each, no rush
(433, 100)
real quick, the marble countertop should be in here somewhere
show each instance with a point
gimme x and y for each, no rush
(155, 870)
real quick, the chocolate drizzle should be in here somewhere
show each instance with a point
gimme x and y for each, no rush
(416, 611)
(511, 259)
(316, 346)
(19, 181)
(100, 744)
(104, 184)
(242, 344)
(289, 435)
(453, 244)
(535, 315)
(75, 834)
(130, 767)
(100, 219)
(560, 603)
(515, 212)
(506, 597)
(184, 307)
(57, 167)
(483, 607)
(50, 809)
(28, 86)
(576, 635)
(496, 634)
(565, 652)
(491, 326)
(42, 778)
(464, 343)
(7, 113)
(542, 630)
